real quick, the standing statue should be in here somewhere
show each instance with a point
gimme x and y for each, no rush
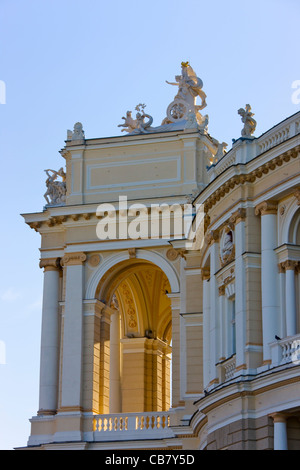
(56, 190)
(247, 119)
(138, 125)
(189, 88)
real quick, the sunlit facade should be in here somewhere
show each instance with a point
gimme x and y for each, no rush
(151, 339)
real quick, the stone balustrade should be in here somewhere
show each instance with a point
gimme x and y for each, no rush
(127, 426)
(286, 350)
(244, 150)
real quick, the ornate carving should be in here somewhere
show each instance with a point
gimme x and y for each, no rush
(172, 254)
(282, 210)
(56, 190)
(132, 253)
(129, 306)
(205, 271)
(114, 302)
(94, 260)
(138, 125)
(184, 104)
(289, 265)
(73, 259)
(247, 119)
(227, 249)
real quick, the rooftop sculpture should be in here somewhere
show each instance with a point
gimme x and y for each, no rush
(77, 133)
(189, 88)
(247, 119)
(56, 190)
(137, 125)
(182, 112)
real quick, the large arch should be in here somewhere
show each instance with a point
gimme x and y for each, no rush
(137, 291)
(290, 225)
(146, 255)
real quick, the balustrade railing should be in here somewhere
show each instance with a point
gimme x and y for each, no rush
(124, 426)
(286, 350)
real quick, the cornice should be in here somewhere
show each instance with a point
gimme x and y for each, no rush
(242, 177)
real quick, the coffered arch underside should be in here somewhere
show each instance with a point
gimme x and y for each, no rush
(139, 290)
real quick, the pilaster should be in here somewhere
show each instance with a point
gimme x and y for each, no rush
(71, 390)
(269, 275)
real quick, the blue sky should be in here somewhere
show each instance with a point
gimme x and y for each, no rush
(67, 61)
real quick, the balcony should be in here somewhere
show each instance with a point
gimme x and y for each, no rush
(132, 426)
(227, 369)
(286, 350)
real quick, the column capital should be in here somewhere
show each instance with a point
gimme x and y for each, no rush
(222, 290)
(266, 207)
(205, 273)
(212, 237)
(73, 259)
(279, 417)
(50, 264)
(238, 216)
(289, 265)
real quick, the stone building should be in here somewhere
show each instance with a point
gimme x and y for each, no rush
(171, 286)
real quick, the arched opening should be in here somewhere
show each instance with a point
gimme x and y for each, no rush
(294, 229)
(140, 336)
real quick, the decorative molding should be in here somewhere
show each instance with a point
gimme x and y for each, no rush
(94, 260)
(266, 207)
(46, 412)
(73, 259)
(237, 180)
(132, 253)
(172, 254)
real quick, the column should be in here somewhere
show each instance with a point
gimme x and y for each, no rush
(175, 307)
(282, 300)
(206, 319)
(104, 366)
(115, 404)
(73, 332)
(240, 288)
(280, 431)
(134, 375)
(49, 337)
(214, 308)
(222, 323)
(269, 275)
(290, 297)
